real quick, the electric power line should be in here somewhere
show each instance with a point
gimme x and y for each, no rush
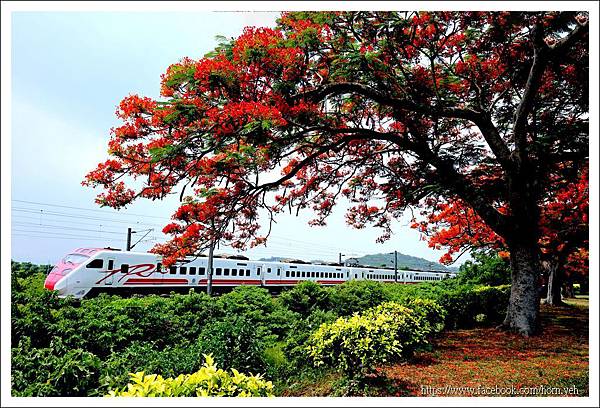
(89, 209)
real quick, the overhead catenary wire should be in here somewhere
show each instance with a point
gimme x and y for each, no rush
(89, 209)
(74, 238)
(59, 227)
(275, 242)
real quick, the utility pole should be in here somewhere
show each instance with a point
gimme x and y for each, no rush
(128, 248)
(396, 266)
(209, 269)
(129, 232)
(341, 257)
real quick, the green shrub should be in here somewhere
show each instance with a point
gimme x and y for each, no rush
(246, 300)
(355, 296)
(236, 342)
(144, 356)
(277, 365)
(358, 343)
(208, 381)
(306, 297)
(432, 314)
(465, 304)
(294, 347)
(487, 268)
(52, 371)
(461, 301)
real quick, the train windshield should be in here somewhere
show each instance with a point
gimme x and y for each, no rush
(74, 259)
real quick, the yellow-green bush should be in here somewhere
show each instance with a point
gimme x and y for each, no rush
(358, 343)
(207, 382)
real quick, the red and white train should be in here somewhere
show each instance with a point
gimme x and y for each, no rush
(89, 270)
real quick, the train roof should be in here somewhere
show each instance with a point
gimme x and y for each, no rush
(287, 261)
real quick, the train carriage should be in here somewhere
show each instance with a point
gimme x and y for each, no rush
(88, 270)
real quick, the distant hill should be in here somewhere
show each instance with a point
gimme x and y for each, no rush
(404, 261)
(272, 259)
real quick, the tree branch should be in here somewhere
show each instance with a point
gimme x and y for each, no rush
(481, 119)
(531, 87)
(564, 43)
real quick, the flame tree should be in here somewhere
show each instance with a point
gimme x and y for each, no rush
(563, 236)
(387, 109)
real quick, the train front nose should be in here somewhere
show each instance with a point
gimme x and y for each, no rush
(57, 280)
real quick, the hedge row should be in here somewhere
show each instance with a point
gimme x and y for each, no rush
(61, 347)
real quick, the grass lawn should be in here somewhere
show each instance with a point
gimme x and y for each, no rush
(473, 362)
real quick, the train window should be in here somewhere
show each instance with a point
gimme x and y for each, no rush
(218, 271)
(257, 271)
(278, 272)
(225, 271)
(183, 270)
(158, 267)
(96, 263)
(248, 272)
(287, 274)
(234, 272)
(303, 274)
(173, 270)
(111, 264)
(192, 270)
(201, 270)
(124, 268)
(268, 270)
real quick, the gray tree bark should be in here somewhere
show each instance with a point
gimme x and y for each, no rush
(553, 296)
(522, 315)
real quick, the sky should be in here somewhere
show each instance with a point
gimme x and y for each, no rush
(69, 72)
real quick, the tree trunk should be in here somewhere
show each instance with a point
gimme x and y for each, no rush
(554, 285)
(569, 291)
(522, 315)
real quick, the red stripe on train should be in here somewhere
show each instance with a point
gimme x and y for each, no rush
(147, 281)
